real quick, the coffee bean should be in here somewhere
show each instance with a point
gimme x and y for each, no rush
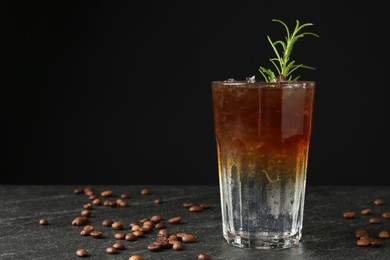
(361, 233)
(148, 223)
(107, 222)
(188, 238)
(88, 191)
(96, 234)
(93, 197)
(136, 228)
(195, 208)
(378, 202)
(163, 242)
(349, 214)
(124, 195)
(82, 252)
(130, 237)
(146, 228)
(160, 225)
(177, 246)
(43, 221)
(119, 235)
(109, 203)
(78, 191)
(174, 220)
(163, 232)
(187, 205)
(156, 218)
(363, 242)
(118, 245)
(106, 193)
(203, 256)
(180, 235)
(374, 220)
(79, 221)
(121, 203)
(145, 191)
(136, 257)
(375, 242)
(383, 234)
(85, 213)
(205, 205)
(87, 206)
(173, 238)
(386, 215)
(157, 201)
(117, 225)
(111, 250)
(138, 233)
(87, 230)
(153, 247)
(366, 211)
(97, 202)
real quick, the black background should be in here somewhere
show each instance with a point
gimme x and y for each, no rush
(117, 92)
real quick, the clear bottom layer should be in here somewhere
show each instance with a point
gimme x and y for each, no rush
(263, 242)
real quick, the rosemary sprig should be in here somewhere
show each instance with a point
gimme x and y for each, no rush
(282, 63)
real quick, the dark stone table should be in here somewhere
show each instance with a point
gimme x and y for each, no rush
(326, 234)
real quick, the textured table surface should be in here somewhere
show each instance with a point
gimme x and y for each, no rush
(326, 234)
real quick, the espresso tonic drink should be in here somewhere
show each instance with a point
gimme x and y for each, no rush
(262, 133)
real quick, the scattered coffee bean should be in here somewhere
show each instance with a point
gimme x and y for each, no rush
(386, 215)
(117, 225)
(156, 218)
(157, 201)
(82, 252)
(130, 237)
(145, 191)
(136, 257)
(180, 235)
(78, 191)
(147, 223)
(366, 212)
(97, 202)
(349, 214)
(109, 203)
(43, 221)
(361, 233)
(363, 242)
(153, 247)
(87, 206)
(111, 250)
(163, 232)
(160, 225)
(138, 233)
(187, 205)
(119, 235)
(146, 228)
(79, 221)
(136, 228)
(205, 205)
(106, 193)
(174, 220)
(383, 234)
(188, 238)
(177, 246)
(92, 197)
(107, 222)
(203, 256)
(87, 230)
(121, 203)
(173, 238)
(124, 195)
(378, 202)
(375, 242)
(118, 245)
(88, 191)
(195, 208)
(96, 234)
(85, 213)
(163, 242)
(374, 220)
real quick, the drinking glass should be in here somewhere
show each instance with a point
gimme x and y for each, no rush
(262, 134)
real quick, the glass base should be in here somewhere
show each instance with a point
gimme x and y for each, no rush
(263, 242)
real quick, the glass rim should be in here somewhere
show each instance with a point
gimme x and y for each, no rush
(238, 83)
